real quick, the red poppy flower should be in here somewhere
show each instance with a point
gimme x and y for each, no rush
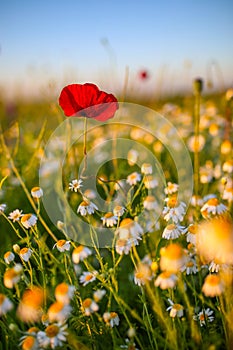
(143, 75)
(76, 98)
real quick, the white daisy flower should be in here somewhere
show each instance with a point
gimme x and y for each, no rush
(59, 312)
(36, 192)
(171, 188)
(75, 185)
(150, 203)
(213, 286)
(5, 304)
(15, 215)
(111, 318)
(53, 336)
(99, 294)
(132, 157)
(80, 253)
(133, 178)
(118, 210)
(109, 219)
(12, 276)
(192, 234)
(62, 245)
(28, 220)
(89, 306)
(176, 310)
(25, 253)
(212, 207)
(2, 208)
(29, 342)
(166, 280)
(86, 207)
(9, 257)
(174, 211)
(64, 292)
(87, 277)
(150, 182)
(173, 231)
(204, 316)
(142, 274)
(146, 169)
(190, 267)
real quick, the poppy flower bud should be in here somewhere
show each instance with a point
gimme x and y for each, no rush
(197, 86)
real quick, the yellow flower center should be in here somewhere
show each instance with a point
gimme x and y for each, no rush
(171, 227)
(108, 215)
(33, 330)
(7, 254)
(126, 222)
(173, 251)
(23, 251)
(113, 314)
(213, 280)
(87, 303)
(52, 330)
(56, 307)
(26, 217)
(2, 298)
(28, 343)
(84, 204)
(78, 249)
(88, 277)
(35, 189)
(62, 289)
(166, 274)
(213, 202)
(172, 202)
(61, 242)
(192, 229)
(33, 297)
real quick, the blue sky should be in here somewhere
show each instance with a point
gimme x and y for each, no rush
(78, 41)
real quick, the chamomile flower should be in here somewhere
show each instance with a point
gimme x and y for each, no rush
(213, 285)
(89, 306)
(228, 194)
(2, 208)
(9, 257)
(25, 253)
(111, 318)
(196, 144)
(215, 240)
(30, 306)
(173, 231)
(150, 182)
(109, 219)
(196, 201)
(142, 274)
(191, 233)
(166, 280)
(59, 312)
(176, 310)
(62, 245)
(99, 294)
(64, 292)
(150, 203)
(86, 207)
(171, 188)
(118, 210)
(5, 304)
(212, 207)
(15, 215)
(53, 336)
(37, 192)
(28, 220)
(173, 210)
(129, 233)
(228, 166)
(29, 342)
(80, 253)
(190, 267)
(75, 185)
(172, 258)
(89, 194)
(204, 316)
(87, 277)
(132, 157)
(133, 178)
(12, 276)
(146, 169)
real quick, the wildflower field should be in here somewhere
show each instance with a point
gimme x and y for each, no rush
(116, 222)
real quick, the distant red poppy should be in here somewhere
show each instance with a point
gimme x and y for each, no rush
(76, 98)
(143, 74)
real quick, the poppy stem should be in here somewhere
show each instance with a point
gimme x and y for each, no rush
(84, 147)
